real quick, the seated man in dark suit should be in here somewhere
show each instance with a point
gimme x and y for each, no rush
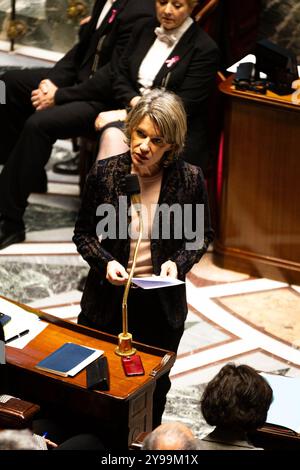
(44, 105)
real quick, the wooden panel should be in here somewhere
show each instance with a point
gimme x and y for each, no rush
(259, 229)
(275, 438)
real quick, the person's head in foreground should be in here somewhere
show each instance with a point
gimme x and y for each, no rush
(236, 399)
(18, 439)
(170, 436)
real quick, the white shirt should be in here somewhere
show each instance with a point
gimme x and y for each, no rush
(157, 55)
(104, 12)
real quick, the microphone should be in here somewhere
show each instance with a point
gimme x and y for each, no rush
(132, 189)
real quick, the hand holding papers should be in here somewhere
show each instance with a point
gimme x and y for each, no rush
(155, 282)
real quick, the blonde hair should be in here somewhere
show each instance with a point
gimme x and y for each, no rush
(166, 111)
(192, 3)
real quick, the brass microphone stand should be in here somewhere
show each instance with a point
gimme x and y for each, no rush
(16, 28)
(125, 338)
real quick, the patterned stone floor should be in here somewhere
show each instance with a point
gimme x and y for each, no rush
(232, 317)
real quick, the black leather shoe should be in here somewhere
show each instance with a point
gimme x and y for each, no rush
(11, 232)
(68, 167)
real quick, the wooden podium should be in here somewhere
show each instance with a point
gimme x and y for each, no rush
(117, 415)
(259, 225)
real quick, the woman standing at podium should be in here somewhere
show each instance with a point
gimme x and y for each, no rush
(156, 130)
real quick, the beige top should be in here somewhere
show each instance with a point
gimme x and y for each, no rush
(150, 189)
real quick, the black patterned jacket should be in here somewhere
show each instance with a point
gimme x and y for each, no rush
(182, 183)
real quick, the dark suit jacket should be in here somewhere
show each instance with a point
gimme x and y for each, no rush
(225, 440)
(191, 78)
(183, 184)
(72, 73)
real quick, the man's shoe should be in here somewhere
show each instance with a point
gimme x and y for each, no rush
(11, 232)
(68, 167)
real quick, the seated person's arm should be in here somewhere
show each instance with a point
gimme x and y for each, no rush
(107, 117)
(64, 72)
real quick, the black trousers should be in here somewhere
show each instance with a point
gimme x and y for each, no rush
(148, 324)
(27, 137)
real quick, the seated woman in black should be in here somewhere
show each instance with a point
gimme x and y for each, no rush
(172, 53)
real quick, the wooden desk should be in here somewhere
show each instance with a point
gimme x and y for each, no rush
(117, 415)
(259, 225)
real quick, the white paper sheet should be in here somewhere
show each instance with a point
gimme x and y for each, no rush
(284, 410)
(155, 282)
(21, 320)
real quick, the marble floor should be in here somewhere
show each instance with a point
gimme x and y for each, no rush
(232, 317)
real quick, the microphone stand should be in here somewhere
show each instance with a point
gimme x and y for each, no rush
(124, 345)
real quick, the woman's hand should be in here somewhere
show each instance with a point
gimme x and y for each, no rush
(169, 268)
(116, 274)
(109, 116)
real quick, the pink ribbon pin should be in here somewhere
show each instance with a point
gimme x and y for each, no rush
(172, 61)
(112, 16)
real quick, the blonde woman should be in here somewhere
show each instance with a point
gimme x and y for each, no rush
(155, 130)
